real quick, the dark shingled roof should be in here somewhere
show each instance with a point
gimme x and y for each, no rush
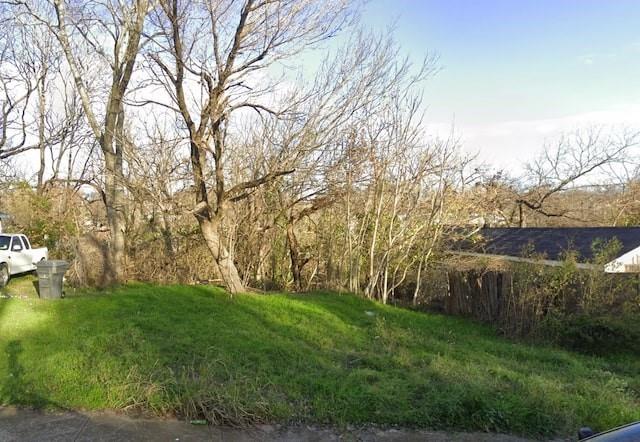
(551, 242)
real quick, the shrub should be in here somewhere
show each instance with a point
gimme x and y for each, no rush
(594, 335)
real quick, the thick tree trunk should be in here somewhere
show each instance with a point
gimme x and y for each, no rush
(110, 134)
(210, 223)
(111, 143)
(113, 200)
(222, 257)
(294, 255)
(167, 235)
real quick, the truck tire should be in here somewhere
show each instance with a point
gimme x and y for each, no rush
(4, 275)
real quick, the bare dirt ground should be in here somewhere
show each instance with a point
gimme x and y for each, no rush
(27, 425)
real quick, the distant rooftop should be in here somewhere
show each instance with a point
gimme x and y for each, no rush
(551, 242)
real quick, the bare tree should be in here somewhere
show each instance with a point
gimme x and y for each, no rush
(209, 57)
(158, 172)
(18, 84)
(108, 33)
(573, 161)
(69, 158)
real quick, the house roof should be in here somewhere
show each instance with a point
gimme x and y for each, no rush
(550, 242)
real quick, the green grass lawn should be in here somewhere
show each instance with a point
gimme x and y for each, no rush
(322, 358)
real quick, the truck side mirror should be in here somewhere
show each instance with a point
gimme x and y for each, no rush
(16, 248)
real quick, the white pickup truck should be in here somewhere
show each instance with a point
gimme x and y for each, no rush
(17, 256)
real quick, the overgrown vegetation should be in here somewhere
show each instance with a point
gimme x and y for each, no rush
(584, 310)
(604, 334)
(322, 357)
(580, 308)
(188, 143)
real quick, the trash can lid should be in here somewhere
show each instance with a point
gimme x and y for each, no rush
(53, 264)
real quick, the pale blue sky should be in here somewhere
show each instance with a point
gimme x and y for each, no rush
(517, 73)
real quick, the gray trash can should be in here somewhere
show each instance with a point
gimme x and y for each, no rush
(50, 275)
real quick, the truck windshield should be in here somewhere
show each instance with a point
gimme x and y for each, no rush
(4, 242)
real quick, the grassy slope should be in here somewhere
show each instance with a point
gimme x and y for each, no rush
(324, 358)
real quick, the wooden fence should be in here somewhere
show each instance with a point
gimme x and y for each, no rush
(516, 305)
(484, 295)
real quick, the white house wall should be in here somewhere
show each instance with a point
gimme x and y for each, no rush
(627, 263)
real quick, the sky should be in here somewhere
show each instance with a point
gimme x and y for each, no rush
(516, 74)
